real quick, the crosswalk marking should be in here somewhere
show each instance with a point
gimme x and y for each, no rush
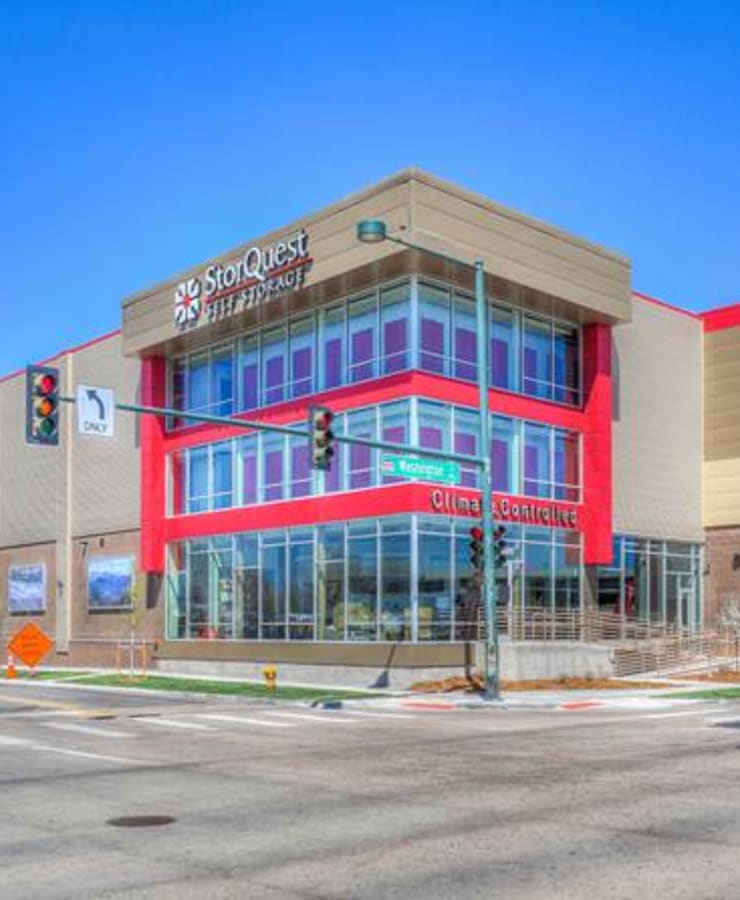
(314, 717)
(683, 712)
(172, 723)
(66, 752)
(245, 720)
(381, 715)
(87, 729)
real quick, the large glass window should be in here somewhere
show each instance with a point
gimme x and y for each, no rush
(361, 467)
(398, 579)
(466, 432)
(464, 338)
(434, 327)
(198, 480)
(537, 357)
(382, 332)
(333, 354)
(222, 475)
(567, 471)
(505, 451)
(362, 588)
(272, 466)
(302, 357)
(395, 325)
(537, 480)
(363, 351)
(274, 353)
(504, 359)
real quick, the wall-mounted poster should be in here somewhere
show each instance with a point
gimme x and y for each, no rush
(109, 582)
(27, 589)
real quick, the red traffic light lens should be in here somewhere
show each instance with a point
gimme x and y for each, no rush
(46, 384)
(476, 533)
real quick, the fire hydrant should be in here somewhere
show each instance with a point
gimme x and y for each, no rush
(270, 675)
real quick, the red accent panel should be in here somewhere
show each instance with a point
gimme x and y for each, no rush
(383, 501)
(390, 500)
(724, 317)
(153, 391)
(597, 445)
(383, 390)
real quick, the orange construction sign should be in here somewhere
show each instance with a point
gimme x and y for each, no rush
(30, 644)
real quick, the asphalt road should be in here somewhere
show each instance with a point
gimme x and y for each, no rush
(287, 802)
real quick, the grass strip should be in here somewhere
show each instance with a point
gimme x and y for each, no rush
(231, 688)
(729, 693)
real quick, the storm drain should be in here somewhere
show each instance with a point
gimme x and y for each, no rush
(140, 821)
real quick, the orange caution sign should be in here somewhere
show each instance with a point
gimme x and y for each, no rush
(30, 645)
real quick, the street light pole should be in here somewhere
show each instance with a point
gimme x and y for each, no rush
(489, 599)
(373, 231)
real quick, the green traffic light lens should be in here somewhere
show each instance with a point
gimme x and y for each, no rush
(46, 428)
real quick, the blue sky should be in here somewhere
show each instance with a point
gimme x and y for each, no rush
(139, 138)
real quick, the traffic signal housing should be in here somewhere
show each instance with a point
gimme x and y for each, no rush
(499, 547)
(476, 548)
(321, 437)
(42, 405)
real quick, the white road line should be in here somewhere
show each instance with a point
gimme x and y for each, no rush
(380, 715)
(244, 720)
(683, 712)
(330, 718)
(65, 752)
(6, 740)
(171, 723)
(726, 720)
(85, 729)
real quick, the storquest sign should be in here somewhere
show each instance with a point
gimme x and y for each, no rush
(253, 279)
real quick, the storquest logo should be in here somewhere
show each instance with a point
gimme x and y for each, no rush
(187, 303)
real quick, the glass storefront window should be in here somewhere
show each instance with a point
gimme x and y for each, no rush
(301, 358)
(354, 582)
(197, 480)
(434, 326)
(247, 470)
(394, 428)
(465, 431)
(567, 466)
(362, 463)
(395, 601)
(395, 328)
(537, 357)
(273, 367)
(333, 355)
(537, 479)
(505, 452)
(222, 375)
(300, 470)
(222, 495)
(363, 351)
(464, 331)
(272, 466)
(388, 330)
(504, 358)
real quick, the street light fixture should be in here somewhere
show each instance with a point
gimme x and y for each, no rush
(374, 231)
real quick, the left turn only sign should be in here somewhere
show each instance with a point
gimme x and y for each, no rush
(95, 410)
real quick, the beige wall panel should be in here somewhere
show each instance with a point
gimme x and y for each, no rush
(541, 257)
(28, 556)
(31, 482)
(523, 265)
(105, 470)
(146, 620)
(722, 492)
(512, 227)
(721, 407)
(148, 318)
(657, 424)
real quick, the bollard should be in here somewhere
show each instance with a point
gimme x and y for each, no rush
(270, 674)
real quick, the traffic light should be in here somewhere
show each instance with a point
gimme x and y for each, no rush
(499, 547)
(42, 405)
(476, 548)
(321, 437)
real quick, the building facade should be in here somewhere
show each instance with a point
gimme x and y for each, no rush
(244, 552)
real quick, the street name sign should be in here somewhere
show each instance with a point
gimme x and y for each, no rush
(442, 470)
(95, 410)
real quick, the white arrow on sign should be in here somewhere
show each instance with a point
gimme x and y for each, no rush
(95, 410)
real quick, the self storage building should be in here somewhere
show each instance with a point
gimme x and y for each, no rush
(240, 551)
